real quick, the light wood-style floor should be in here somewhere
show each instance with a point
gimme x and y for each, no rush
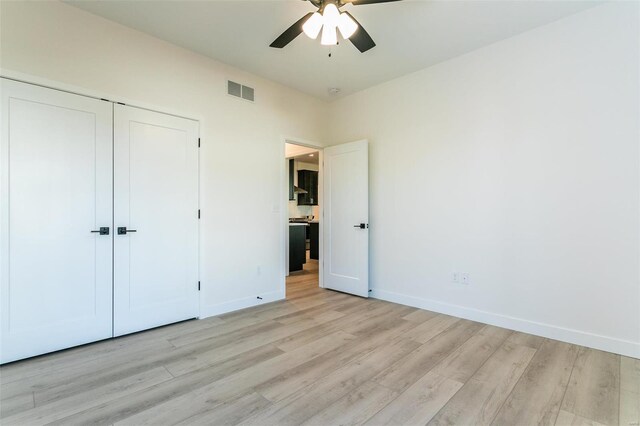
(324, 358)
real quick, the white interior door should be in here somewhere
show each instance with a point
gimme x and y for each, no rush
(346, 218)
(156, 200)
(55, 187)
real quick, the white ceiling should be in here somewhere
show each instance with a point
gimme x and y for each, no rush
(301, 153)
(410, 35)
(293, 150)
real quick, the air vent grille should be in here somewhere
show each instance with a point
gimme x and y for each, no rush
(247, 93)
(240, 91)
(234, 89)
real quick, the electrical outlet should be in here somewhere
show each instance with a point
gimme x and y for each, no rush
(465, 278)
(455, 277)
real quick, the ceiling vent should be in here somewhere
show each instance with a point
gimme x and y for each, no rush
(240, 91)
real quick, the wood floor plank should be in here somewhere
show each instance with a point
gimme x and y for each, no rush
(629, 391)
(228, 328)
(326, 391)
(420, 315)
(407, 371)
(463, 362)
(241, 324)
(16, 404)
(537, 397)
(629, 408)
(101, 352)
(57, 376)
(296, 379)
(525, 339)
(127, 405)
(630, 374)
(219, 349)
(217, 392)
(371, 319)
(569, 419)
(44, 414)
(317, 313)
(355, 407)
(479, 400)
(351, 319)
(432, 327)
(593, 390)
(192, 356)
(230, 412)
(418, 403)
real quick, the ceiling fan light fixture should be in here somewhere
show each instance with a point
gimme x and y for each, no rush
(329, 36)
(313, 25)
(331, 15)
(346, 25)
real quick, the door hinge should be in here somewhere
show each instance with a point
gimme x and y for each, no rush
(198, 142)
(198, 285)
(198, 213)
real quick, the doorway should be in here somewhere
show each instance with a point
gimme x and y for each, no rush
(303, 218)
(333, 198)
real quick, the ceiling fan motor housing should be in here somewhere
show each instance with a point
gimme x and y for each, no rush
(349, 27)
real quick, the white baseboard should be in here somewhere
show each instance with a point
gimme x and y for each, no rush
(608, 344)
(234, 305)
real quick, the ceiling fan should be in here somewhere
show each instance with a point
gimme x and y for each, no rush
(330, 20)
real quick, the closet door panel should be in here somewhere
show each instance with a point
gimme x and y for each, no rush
(56, 177)
(156, 195)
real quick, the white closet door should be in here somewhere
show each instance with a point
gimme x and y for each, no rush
(156, 199)
(55, 188)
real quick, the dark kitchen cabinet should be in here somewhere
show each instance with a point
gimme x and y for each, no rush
(297, 247)
(314, 236)
(308, 180)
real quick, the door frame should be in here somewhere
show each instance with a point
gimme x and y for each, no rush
(113, 98)
(285, 203)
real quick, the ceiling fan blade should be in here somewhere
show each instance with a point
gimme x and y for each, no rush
(360, 2)
(290, 33)
(361, 38)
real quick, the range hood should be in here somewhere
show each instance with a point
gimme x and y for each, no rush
(298, 190)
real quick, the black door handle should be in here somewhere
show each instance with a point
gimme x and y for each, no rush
(122, 230)
(104, 230)
(361, 226)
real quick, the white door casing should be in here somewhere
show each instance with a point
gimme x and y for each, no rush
(156, 182)
(346, 207)
(55, 188)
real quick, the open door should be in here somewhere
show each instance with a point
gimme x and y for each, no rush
(346, 218)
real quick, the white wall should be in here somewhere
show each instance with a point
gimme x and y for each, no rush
(519, 164)
(242, 223)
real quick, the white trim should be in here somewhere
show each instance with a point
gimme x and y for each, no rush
(246, 302)
(596, 341)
